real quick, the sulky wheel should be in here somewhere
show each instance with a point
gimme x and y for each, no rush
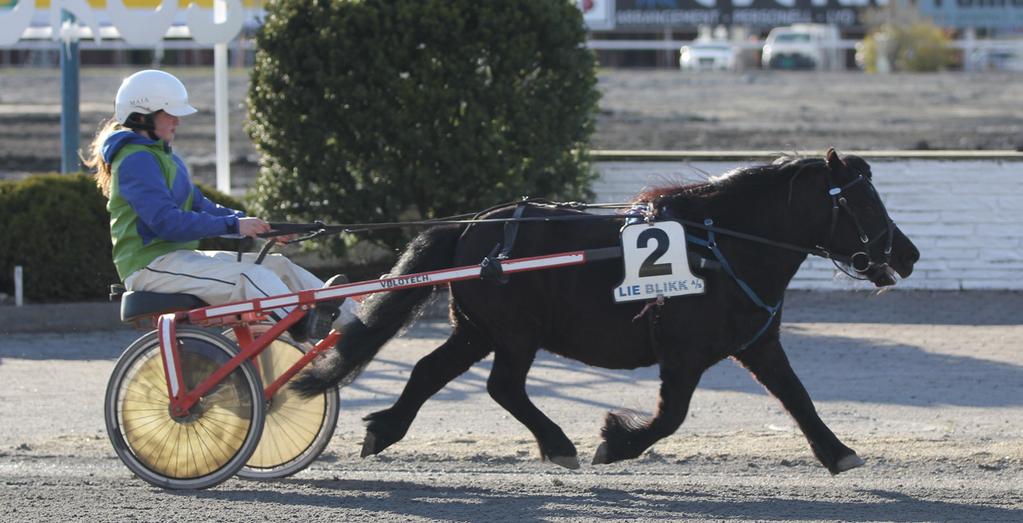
(297, 429)
(195, 451)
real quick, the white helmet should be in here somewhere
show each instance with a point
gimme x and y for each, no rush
(148, 91)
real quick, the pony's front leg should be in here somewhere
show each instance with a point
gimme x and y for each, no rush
(768, 363)
(462, 349)
(507, 385)
(627, 434)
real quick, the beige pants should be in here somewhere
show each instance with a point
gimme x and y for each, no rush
(217, 277)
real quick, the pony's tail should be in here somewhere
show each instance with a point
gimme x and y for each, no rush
(382, 315)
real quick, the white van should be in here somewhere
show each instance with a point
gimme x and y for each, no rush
(804, 46)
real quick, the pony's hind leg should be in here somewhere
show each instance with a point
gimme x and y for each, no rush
(768, 363)
(627, 434)
(507, 385)
(462, 349)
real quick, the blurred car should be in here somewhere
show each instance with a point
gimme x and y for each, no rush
(803, 46)
(708, 56)
(996, 59)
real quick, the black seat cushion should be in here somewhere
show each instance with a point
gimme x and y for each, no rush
(136, 304)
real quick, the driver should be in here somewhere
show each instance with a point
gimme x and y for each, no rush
(157, 215)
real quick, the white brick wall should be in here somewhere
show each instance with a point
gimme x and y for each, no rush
(965, 216)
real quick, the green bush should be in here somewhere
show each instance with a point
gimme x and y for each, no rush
(386, 110)
(919, 46)
(57, 228)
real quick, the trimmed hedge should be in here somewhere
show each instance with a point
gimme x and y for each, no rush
(387, 110)
(57, 228)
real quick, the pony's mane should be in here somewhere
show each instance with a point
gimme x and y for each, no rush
(784, 169)
(656, 193)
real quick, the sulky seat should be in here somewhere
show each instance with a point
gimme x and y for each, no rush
(137, 305)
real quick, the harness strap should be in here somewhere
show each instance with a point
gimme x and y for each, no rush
(772, 311)
(511, 231)
(836, 199)
(490, 267)
(856, 221)
(654, 321)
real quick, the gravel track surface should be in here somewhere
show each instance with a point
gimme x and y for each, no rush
(926, 386)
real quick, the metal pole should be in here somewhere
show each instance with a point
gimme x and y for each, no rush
(69, 116)
(220, 103)
(222, 127)
(19, 299)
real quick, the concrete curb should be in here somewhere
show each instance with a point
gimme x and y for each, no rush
(61, 317)
(610, 155)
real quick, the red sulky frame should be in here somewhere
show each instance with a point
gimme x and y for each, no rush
(240, 315)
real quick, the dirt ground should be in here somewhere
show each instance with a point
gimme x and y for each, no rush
(926, 386)
(785, 111)
(640, 109)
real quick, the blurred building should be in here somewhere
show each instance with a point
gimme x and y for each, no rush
(39, 42)
(647, 33)
(623, 33)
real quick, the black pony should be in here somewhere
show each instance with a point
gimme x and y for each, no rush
(828, 206)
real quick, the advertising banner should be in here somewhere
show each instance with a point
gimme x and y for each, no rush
(598, 15)
(648, 14)
(990, 14)
(138, 22)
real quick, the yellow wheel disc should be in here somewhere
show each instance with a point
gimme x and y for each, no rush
(197, 444)
(292, 422)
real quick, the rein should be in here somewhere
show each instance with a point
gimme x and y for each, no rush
(318, 229)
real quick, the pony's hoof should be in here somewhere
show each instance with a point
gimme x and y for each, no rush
(569, 462)
(847, 463)
(600, 456)
(369, 445)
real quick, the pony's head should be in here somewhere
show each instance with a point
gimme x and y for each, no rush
(831, 201)
(861, 235)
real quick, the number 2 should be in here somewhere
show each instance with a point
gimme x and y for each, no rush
(649, 268)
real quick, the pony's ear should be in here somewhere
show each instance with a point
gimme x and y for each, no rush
(834, 162)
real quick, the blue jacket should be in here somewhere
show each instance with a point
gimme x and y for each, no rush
(154, 207)
(159, 207)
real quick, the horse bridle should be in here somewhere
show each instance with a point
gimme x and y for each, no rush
(860, 261)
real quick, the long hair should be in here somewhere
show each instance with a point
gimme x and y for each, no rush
(95, 159)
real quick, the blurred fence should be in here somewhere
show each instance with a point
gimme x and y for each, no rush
(964, 210)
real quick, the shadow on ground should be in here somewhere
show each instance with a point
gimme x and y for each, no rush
(906, 307)
(417, 500)
(832, 368)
